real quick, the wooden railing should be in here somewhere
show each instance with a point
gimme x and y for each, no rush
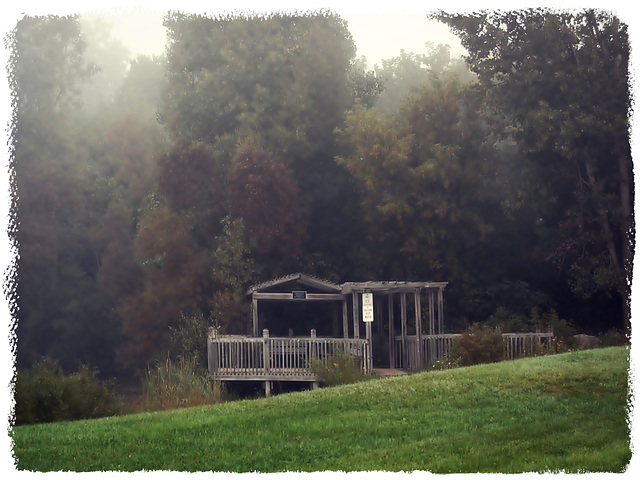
(235, 357)
(517, 345)
(436, 347)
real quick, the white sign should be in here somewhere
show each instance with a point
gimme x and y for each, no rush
(367, 307)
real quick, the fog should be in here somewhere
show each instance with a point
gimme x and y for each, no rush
(138, 219)
(378, 35)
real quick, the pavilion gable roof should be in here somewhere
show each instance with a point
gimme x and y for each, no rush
(296, 278)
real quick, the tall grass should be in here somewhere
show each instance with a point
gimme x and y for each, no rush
(338, 369)
(564, 412)
(179, 383)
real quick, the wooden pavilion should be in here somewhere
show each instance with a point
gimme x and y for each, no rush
(347, 318)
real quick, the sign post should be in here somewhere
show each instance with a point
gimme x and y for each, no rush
(367, 307)
(367, 318)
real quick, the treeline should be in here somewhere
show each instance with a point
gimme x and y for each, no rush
(149, 193)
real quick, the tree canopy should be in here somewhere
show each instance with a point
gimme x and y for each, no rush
(150, 192)
(563, 80)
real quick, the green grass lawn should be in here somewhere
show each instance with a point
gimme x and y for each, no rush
(557, 413)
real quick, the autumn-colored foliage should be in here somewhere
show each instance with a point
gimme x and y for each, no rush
(264, 193)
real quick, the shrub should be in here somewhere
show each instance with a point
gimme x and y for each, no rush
(564, 331)
(187, 338)
(45, 394)
(477, 345)
(613, 338)
(341, 368)
(179, 384)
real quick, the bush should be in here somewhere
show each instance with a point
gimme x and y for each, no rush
(564, 331)
(179, 384)
(338, 369)
(477, 345)
(187, 338)
(613, 338)
(45, 394)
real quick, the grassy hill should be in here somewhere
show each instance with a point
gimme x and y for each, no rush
(557, 413)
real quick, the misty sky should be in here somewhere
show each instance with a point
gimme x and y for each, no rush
(381, 29)
(378, 34)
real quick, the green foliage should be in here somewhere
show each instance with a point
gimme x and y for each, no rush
(614, 338)
(280, 76)
(243, 184)
(176, 384)
(521, 320)
(424, 175)
(45, 394)
(477, 345)
(233, 270)
(338, 369)
(367, 86)
(563, 329)
(405, 75)
(562, 78)
(48, 63)
(188, 338)
(565, 413)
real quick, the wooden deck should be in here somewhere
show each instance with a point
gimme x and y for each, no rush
(413, 355)
(235, 357)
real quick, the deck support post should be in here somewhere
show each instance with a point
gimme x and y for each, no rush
(392, 356)
(440, 310)
(432, 317)
(356, 315)
(418, 314)
(345, 320)
(212, 358)
(266, 354)
(403, 320)
(254, 313)
(267, 389)
(369, 354)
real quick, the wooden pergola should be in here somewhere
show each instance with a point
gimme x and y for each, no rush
(299, 287)
(411, 345)
(390, 290)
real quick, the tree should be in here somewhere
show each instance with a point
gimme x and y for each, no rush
(80, 178)
(47, 63)
(563, 80)
(281, 83)
(56, 269)
(242, 76)
(176, 281)
(427, 175)
(367, 86)
(264, 193)
(233, 271)
(141, 89)
(409, 72)
(110, 58)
